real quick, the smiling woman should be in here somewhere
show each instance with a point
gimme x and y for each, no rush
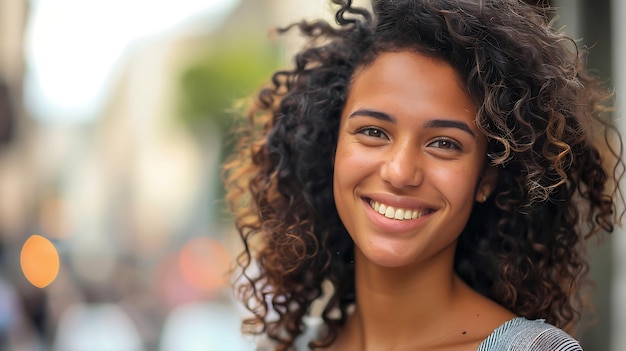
(407, 143)
(437, 164)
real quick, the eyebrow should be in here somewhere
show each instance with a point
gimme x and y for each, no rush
(375, 114)
(432, 123)
(447, 123)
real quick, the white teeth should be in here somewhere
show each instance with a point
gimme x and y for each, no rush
(399, 214)
(390, 212)
(395, 213)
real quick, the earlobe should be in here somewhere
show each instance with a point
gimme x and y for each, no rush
(487, 183)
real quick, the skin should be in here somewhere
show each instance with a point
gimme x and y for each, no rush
(408, 140)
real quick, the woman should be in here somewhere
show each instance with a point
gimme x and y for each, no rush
(430, 171)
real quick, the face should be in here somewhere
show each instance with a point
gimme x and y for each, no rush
(410, 161)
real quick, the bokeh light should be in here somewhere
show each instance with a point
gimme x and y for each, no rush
(170, 286)
(204, 263)
(39, 260)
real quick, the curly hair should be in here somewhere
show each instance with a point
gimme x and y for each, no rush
(549, 131)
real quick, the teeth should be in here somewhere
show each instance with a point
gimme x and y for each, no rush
(395, 213)
(389, 213)
(399, 214)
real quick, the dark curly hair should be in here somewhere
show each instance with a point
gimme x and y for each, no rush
(549, 131)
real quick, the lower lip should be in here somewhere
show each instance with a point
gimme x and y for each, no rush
(393, 225)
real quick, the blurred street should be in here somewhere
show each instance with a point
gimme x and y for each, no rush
(114, 119)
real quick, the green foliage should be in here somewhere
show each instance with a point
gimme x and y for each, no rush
(212, 83)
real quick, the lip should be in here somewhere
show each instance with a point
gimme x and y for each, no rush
(393, 225)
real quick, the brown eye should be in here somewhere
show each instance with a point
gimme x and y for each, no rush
(373, 132)
(445, 144)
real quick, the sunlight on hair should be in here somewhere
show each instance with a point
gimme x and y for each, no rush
(40, 261)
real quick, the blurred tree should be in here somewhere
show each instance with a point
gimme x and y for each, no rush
(232, 64)
(213, 83)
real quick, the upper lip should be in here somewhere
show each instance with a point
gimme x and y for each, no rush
(399, 201)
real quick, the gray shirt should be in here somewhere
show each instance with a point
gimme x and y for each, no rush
(518, 334)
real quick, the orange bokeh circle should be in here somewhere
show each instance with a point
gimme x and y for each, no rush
(39, 260)
(204, 263)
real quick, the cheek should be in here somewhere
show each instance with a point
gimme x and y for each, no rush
(349, 163)
(341, 163)
(458, 182)
(342, 177)
(351, 167)
(343, 182)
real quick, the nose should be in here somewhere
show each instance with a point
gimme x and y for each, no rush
(403, 167)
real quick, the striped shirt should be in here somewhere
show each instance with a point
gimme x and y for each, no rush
(518, 334)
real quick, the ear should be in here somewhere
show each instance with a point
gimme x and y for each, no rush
(487, 183)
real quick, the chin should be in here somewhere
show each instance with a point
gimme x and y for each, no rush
(386, 258)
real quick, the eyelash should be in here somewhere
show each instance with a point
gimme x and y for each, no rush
(452, 144)
(367, 130)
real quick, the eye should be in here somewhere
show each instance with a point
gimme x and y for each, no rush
(372, 132)
(445, 143)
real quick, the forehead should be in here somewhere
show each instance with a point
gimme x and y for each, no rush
(407, 82)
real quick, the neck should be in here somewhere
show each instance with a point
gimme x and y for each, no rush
(404, 302)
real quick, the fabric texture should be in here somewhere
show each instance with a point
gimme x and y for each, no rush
(518, 334)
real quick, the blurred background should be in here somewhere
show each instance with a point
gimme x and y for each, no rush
(113, 235)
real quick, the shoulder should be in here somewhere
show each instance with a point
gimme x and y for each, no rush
(520, 334)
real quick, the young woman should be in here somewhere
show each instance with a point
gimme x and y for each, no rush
(430, 171)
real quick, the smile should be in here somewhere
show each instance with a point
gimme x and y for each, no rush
(400, 214)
